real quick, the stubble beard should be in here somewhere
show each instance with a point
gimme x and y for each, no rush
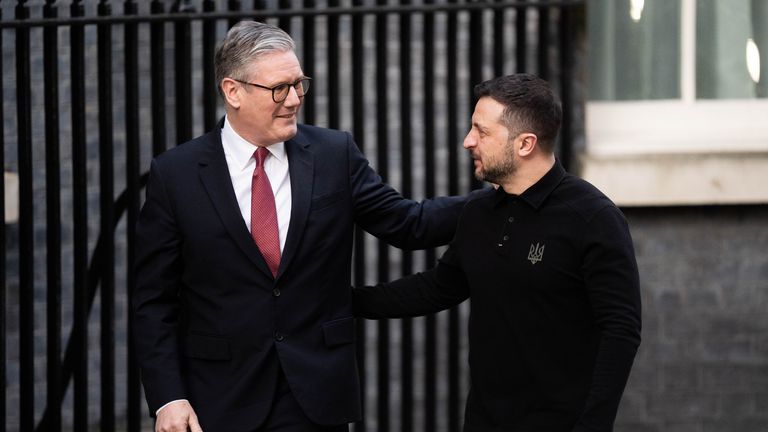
(497, 171)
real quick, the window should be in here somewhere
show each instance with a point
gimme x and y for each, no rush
(678, 101)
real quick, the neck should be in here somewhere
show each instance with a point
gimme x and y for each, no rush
(234, 122)
(528, 173)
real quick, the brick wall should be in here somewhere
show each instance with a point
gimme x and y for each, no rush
(703, 362)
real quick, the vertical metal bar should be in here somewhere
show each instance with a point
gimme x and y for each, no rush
(475, 60)
(542, 67)
(521, 39)
(451, 30)
(566, 76)
(3, 292)
(284, 22)
(358, 129)
(453, 189)
(26, 225)
(106, 260)
(382, 140)
(406, 146)
(209, 86)
(454, 389)
(80, 220)
(183, 78)
(259, 5)
(53, 216)
(233, 6)
(499, 53)
(133, 187)
(309, 59)
(430, 364)
(333, 68)
(157, 54)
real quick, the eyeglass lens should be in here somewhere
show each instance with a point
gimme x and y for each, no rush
(281, 91)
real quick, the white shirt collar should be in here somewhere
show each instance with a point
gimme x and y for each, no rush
(241, 151)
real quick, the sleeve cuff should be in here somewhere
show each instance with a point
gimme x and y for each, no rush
(171, 402)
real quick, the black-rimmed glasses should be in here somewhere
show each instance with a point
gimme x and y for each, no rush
(280, 91)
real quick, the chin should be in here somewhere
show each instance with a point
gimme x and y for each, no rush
(288, 133)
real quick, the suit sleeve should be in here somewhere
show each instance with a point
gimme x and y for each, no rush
(613, 286)
(424, 293)
(385, 213)
(155, 300)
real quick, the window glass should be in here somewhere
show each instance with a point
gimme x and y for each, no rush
(634, 49)
(731, 49)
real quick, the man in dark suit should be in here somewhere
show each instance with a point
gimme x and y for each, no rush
(548, 262)
(243, 318)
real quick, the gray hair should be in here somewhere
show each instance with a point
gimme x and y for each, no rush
(245, 42)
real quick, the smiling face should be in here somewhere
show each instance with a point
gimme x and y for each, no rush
(490, 144)
(252, 112)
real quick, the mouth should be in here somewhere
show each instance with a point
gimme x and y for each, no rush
(289, 116)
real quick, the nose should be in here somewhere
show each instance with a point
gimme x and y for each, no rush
(293, 98)
(469, 141)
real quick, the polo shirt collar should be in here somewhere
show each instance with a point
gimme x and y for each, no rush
(539, 191)
(241, 151)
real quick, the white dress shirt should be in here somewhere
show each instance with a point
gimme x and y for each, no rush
(241, 163)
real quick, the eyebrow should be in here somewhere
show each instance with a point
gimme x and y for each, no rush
(302, 77)
(479, 127)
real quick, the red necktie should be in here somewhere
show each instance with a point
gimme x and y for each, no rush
(263, 213)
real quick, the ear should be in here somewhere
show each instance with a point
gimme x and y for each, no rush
(232, 92)
(528, 143)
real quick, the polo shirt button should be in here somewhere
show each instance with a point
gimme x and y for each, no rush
(279, 337)
(511, 219)
(276, 292)
(506, 237)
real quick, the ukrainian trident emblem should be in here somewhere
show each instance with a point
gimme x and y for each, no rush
(536, 253)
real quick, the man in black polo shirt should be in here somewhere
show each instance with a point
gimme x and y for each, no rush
(549, 264)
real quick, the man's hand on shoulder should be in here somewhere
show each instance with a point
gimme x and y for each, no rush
(177, 416)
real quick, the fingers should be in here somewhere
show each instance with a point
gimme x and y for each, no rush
(194, 426)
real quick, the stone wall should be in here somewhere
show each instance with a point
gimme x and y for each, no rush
(703, 362)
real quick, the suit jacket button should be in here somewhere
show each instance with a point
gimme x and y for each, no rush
(276, 292)
(279, 337)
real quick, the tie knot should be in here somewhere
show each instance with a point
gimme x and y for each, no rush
(260, 155)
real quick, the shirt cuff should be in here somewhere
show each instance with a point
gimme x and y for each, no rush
(173, 401)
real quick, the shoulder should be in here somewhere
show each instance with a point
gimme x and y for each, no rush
(583, 198)
(479, 201)
(308, 134)
(191, 151)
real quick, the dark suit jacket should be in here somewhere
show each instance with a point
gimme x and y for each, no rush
(211, 323)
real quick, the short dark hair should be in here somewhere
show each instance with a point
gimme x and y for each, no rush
(529, 106)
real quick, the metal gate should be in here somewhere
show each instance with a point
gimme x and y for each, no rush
(91, 90)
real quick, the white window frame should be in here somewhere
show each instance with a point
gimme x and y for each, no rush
(681, 151)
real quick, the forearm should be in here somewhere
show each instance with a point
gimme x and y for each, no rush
(407, 297)
(423, 293)
(385, 213)
(612, 368)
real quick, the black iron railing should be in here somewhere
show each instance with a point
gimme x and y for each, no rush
(92, 90)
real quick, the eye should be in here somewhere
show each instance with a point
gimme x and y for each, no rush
(282, 88)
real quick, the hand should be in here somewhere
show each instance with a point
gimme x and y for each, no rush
(177, 417)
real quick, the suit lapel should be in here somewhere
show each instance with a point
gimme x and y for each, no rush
(214, 175)
(301, 168)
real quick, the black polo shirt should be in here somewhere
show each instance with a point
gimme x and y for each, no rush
(555, 305)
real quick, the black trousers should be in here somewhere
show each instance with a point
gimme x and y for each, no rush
(287, 416)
